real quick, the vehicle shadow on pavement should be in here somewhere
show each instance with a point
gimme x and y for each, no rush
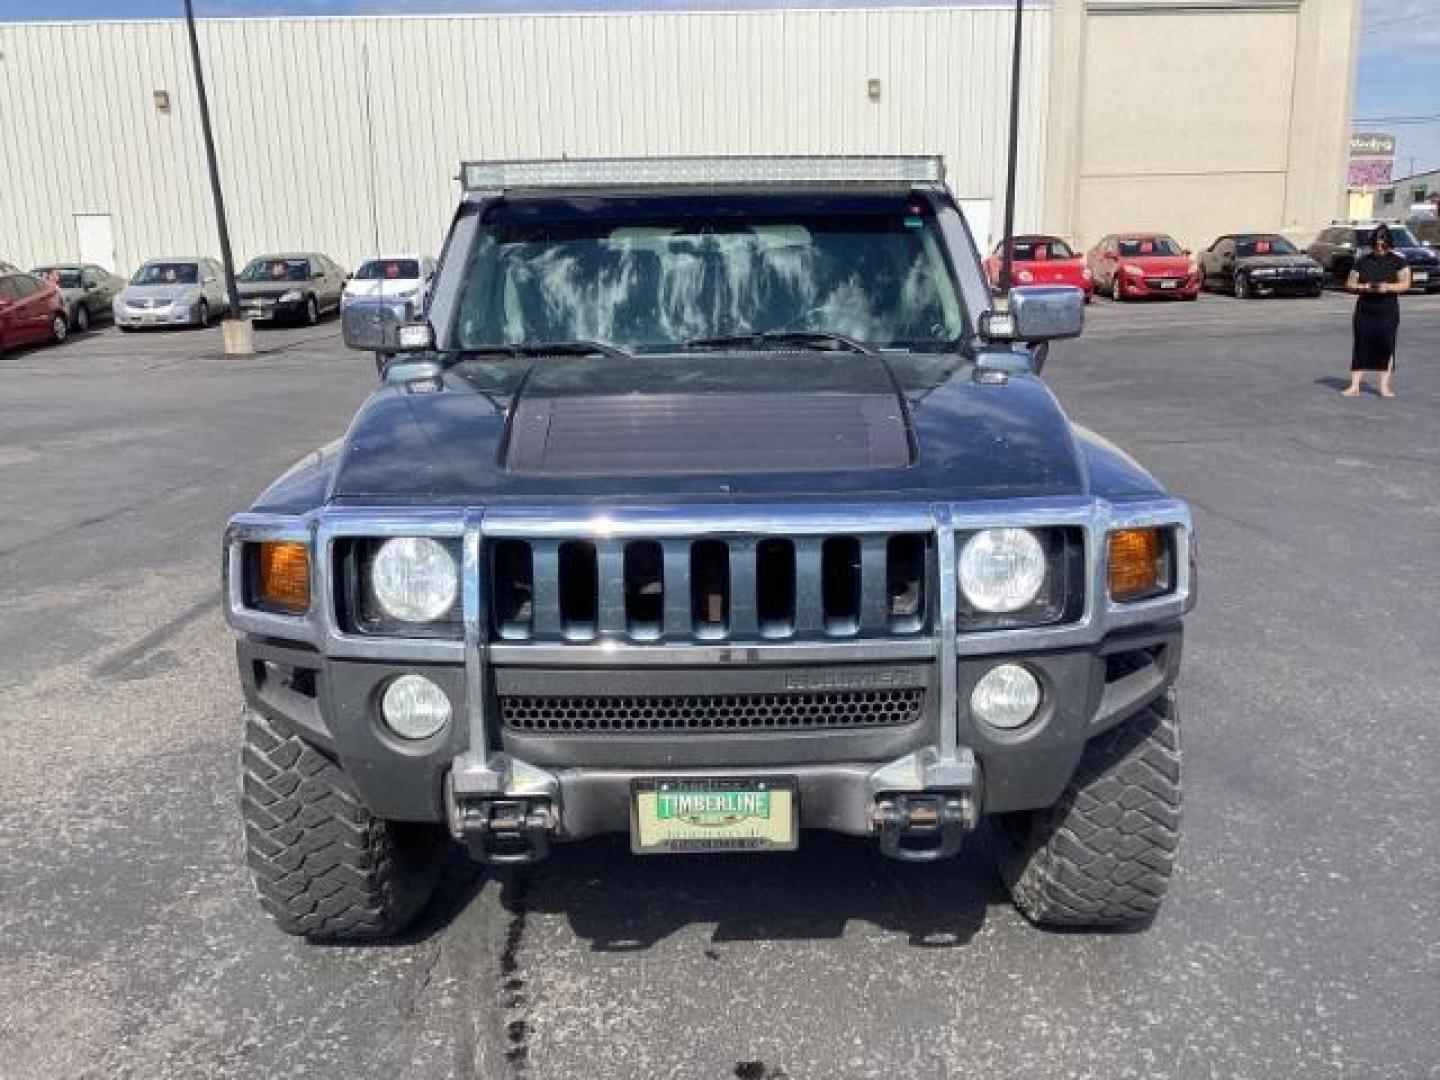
(621, 902)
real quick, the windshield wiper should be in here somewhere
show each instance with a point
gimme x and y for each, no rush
(577, 347)
(814, 339)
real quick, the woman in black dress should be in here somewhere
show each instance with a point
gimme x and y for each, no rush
(1379, 277)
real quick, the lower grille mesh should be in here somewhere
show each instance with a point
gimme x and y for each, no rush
(728, 712)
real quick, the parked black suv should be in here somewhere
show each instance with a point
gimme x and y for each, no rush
(1337, 247)
(710, 502)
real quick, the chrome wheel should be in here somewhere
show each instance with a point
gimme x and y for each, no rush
(312, 311)
(59, 328)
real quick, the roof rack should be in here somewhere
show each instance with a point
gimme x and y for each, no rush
(862, 171)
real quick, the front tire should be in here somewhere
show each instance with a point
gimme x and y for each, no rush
(1117, 290)
(324, 867)
(1243, 291)
(59, 327)
(1104, 853)
(202, 314)
(81, 322)
(312, 311)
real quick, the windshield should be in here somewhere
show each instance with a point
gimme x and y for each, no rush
(276, 270)
(1399, 237)
(167, 273)
(66, 277)
(652, 274)
(388, 270)
(1264, 245)
(1041, 250)
(1140, 247)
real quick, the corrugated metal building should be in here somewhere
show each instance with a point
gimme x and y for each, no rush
(344, 135)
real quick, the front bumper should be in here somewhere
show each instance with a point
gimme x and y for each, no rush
(587, 778)
(1180, 285)
(174, 315)
(273, 310)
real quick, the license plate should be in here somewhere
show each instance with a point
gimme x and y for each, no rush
(698, 814)
(1167, 284)
(1422, 275)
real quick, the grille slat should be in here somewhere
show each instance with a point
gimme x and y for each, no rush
(707, 588)
(874, 594)
(545, 562)
(633, 714)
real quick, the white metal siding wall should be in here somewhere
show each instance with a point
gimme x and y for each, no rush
(79, 131)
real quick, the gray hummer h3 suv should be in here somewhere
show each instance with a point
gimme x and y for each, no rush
(713, 500)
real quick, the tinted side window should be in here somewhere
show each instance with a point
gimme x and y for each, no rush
(25, 285)
(7, 288)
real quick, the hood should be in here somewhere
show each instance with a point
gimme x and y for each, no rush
(1418, 256)
(1172, 265)
(270, 288)
(1276, 260)
(156, 292)
(1051, 270)
(702, 426)
(377, 286)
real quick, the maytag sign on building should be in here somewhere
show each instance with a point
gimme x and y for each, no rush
(1372, 160)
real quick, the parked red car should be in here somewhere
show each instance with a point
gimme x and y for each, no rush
(1130, 266)
(1042, 260)
(31, 311)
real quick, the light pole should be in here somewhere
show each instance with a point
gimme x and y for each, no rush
(239, 337)
(1007, 256)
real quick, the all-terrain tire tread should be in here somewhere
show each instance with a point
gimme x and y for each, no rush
(1103, 855)
(325, 867)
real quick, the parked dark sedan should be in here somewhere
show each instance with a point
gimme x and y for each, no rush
(1259, 264)
(89, 291)
(1337, 247)
(299, 287)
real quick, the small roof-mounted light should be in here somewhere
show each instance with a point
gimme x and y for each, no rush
(888, 171)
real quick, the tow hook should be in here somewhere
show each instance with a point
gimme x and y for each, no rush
(506, 832)
(924, 826)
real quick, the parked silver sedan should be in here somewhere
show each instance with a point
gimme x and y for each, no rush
(185, 291)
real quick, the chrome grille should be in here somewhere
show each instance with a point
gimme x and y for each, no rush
(703, 589)
(712, 712)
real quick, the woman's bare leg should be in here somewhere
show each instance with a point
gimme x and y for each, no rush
(1386, 390)
(1353, 390)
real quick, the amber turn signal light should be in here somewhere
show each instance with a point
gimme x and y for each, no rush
(282, 581)
(1139, 566)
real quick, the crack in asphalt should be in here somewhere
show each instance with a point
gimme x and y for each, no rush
(517, 1026)
(125, 662)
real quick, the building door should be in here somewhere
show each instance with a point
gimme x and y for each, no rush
(95, 237)
(978, 216)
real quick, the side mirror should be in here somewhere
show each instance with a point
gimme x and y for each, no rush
(384, 326)
(1037, 313)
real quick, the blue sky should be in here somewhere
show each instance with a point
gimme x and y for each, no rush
(1399, 76)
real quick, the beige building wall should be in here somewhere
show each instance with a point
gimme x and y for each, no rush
(1198, 117)
(344, 135)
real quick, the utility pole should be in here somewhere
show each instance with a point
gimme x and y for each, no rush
(239, 335)
(1007, 255)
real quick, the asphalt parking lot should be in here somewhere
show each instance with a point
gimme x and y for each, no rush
(1301, 939)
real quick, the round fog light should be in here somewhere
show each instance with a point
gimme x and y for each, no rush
(1006, 697)
(414, 707)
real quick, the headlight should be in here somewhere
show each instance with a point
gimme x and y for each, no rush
(1136, 271)
(1002, 569)
(294, 296)
(414, 579)
(1024, 276)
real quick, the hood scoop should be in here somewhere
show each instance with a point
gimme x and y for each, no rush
(668, 434)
